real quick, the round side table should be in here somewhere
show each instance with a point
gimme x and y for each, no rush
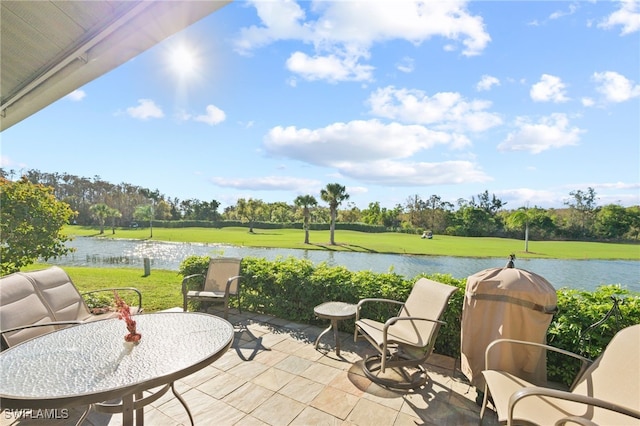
(334, 311)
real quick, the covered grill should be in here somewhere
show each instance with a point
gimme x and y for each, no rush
(506, 303)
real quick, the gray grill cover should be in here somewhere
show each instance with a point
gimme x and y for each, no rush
(506, 303)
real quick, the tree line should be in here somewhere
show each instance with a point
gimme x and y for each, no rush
(97, 202)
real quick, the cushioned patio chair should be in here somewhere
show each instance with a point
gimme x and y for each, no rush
(606, 393)
(38, 302)
(405, 341)
(221, 281)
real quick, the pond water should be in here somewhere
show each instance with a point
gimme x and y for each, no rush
(579, 274)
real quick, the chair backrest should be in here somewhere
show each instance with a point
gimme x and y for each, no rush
(60, 294)
(615, 375)
(428, 299)
(219, 272)
(21, 305)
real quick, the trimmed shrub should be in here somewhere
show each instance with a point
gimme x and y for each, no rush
(289, 288)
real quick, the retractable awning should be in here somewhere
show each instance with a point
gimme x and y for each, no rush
(50, 48)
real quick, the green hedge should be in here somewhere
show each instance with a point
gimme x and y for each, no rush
(290, 288)
(360, 227)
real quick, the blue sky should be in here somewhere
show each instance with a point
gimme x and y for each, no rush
(271, 100)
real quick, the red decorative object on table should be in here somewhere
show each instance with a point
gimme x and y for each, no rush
(124, 313)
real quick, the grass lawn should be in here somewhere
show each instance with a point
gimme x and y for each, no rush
(388, 242)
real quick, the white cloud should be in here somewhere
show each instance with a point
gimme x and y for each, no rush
(444, 110)
(549, 89)
(406, 65)
(550, 132)
(628, 17)
(330, 67)
(522, 197)
(487, 82)
(397, 173)
(588, 102)
(76, 95)
(561, 13)
(615, 87)
(213, 115)
(355, 141)
(146, 109)
(343, 33)
(268, 183)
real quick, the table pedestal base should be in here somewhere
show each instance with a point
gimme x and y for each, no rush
(334, 326)
(136, 402)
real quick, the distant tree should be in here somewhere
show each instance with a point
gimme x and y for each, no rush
(145, 213)
(350, 214)
(100, 212)
(524, 217)
(489, 204)
(334, 194)
(373, 214)
(163, 210)
(612, 221)
(583, 206)
(113, 215)
(31, 224)
(250, 210)
(306, 201)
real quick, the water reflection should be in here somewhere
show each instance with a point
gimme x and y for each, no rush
(582, 274)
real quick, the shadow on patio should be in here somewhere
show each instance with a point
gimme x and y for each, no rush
(272, 375)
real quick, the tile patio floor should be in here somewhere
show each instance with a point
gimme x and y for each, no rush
(272, 375)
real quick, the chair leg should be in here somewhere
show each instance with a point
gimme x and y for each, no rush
(184, 303)
(238, 297)
(485, 399)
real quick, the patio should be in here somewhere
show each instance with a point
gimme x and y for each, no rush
(272, 375)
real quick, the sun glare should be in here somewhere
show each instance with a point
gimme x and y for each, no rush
(183, 60)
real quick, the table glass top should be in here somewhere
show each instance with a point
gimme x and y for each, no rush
(93, 357)
(335, 309)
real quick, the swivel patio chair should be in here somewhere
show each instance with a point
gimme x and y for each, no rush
(606, 393)
(221, 281)
(405, 341)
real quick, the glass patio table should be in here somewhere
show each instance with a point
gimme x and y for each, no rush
(334, 311)
(90, 363)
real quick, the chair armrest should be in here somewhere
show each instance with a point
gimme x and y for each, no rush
(575, 419)
(185, 290)
(44, 324)
(120, 289)
(392, 321)
(585, 361)
(363, 301)
(230, 280)
(568, 396)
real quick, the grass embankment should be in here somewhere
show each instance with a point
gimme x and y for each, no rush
(388, 242)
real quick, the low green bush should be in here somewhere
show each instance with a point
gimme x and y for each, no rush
(290, 288)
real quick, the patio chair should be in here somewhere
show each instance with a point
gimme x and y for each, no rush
(405, 341)
(38, 302)
(606, 393)
(221, 281)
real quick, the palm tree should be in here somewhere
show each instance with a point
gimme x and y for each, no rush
(114, 214)
(522, 218)
(100, 212)
(144, 213)
(333, 194)
(306, 201)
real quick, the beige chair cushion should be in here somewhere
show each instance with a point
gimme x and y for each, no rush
(61, 295)
(219, 271)
(22, 305)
